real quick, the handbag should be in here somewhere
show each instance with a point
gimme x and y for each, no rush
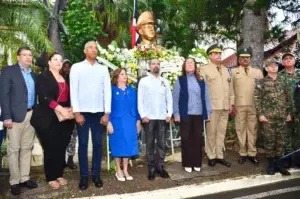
(61, 117)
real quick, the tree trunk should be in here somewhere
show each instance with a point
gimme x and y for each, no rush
(53, 28)
(252, 32)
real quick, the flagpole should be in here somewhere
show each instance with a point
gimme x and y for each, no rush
(133, 8)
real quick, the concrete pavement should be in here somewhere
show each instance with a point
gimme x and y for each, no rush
(207, 188)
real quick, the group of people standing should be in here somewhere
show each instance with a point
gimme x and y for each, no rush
(244, 92)
(62, 103)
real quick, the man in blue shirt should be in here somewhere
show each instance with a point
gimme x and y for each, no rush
(17, 94)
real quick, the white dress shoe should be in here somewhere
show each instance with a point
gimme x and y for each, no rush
(197, 169)
(188, 169)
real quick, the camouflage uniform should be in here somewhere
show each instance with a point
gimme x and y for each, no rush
(273, 101)
(72, 143)
(290, 132)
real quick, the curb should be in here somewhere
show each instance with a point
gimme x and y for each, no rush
(206, 188)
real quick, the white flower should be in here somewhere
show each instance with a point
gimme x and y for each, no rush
(118, 50)
(193, 50)
(111, 47)
(198, 59)
(110, 57)
(102, 51)
(122, 63)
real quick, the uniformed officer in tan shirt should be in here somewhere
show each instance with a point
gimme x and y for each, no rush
(243, 83)
(218, 80)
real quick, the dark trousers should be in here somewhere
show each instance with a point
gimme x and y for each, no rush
(155, 130)
(92, 120)
(1, 137)
(191, 141)
(54, 141)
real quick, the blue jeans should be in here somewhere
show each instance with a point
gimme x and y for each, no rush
(1, 137)
(92, 120)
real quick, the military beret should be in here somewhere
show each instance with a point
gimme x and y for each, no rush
(214, 49)
(288, 54)
(244, 52)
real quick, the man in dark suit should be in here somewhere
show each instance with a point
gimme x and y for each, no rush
(17, 94)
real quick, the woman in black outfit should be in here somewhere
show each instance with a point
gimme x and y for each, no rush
(53, 95)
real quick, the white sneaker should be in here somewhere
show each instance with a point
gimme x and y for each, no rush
(188, 169)
(197, 169)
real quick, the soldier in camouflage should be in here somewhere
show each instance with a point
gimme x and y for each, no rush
(296, 137)
(273, 105)
(291, 75)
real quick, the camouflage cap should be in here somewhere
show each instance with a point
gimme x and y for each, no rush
(271, 61)
(244, 52)
(287, 54)
(145, 18)
(216, 48)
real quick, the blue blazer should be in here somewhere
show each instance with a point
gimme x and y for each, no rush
(13, 93)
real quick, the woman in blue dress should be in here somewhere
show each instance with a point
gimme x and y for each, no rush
(124, 123)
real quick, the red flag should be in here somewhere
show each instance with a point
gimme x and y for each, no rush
(134, 33)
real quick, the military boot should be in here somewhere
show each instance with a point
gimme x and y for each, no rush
(287, 162)
(279, 166)
(271, 166)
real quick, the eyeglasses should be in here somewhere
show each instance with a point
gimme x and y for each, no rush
(26, 55)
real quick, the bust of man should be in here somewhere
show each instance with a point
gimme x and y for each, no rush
(146, 28)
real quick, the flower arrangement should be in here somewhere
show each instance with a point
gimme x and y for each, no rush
(128, 59)
(199, 55)
(171, 77)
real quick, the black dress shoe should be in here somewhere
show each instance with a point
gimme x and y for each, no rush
(223, 162)
(15, 189)
(242, 159)
(97, 181)
(29, 184)
(164, 174)
(151, 174)
(83, 184)
(211, 162)
(253, 159)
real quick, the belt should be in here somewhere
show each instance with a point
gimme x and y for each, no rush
(29, 109)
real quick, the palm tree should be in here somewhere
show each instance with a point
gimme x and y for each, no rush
(23, 24)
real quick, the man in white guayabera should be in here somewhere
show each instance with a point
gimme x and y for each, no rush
(155, 105)
(91, 101)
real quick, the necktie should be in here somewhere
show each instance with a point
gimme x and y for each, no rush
(246, 71)
(219, 69)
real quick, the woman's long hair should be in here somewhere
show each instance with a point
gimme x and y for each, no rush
(196, 72)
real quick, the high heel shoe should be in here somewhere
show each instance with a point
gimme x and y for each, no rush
(127, 177)
(198, 169)
(122, 179)
(188, 169)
